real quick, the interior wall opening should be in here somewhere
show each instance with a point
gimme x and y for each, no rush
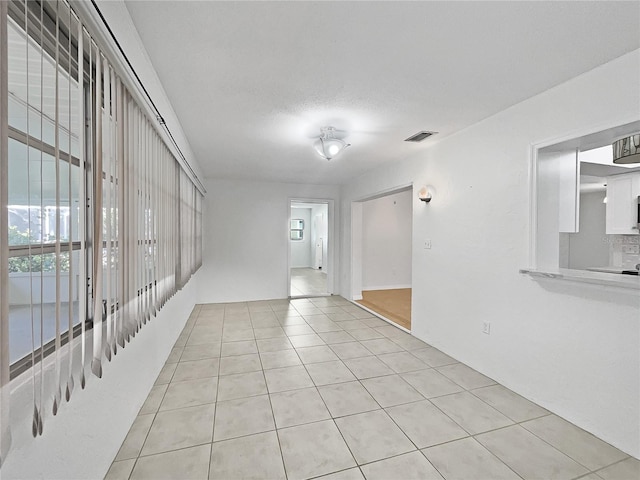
(382, 254)
(309, 267)
(588, 207)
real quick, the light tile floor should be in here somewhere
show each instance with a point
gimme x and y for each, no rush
(320, 388)
(308, 281)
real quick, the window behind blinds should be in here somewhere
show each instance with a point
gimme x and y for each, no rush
(100, 224)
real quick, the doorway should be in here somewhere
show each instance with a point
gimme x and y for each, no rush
(382, 254)
(310, 229)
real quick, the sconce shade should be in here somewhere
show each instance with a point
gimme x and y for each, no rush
(424, 194)
(627, 150)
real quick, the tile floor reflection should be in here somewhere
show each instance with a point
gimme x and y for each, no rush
(286, 390)
(308, 281)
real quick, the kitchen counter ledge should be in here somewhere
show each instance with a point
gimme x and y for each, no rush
(629, 282)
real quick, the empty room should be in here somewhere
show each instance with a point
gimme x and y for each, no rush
(340, 240)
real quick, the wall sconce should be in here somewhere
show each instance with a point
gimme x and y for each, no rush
(424, 194)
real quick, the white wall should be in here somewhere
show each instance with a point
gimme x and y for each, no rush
(85, 436)
(319, 231)
(548, 238)
(589, 247)
(238, 263)
(386, 241)
(301, 249)
(573, 348)
(117, 16)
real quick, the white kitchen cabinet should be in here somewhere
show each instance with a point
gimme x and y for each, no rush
(622, 204)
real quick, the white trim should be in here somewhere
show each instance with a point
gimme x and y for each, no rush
(384, 193)
(294, 297)
(533, 206)
(576, 211)
(356, 238)
(385, 287)
(381, 317)
(288, 239)
(331, 245)
(584, 132)
(356, 251)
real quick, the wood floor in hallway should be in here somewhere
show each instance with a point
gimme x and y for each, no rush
(394, 304)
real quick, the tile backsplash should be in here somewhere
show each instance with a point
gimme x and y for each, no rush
(624, 250)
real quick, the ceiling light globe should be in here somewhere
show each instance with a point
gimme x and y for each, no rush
(327, 145)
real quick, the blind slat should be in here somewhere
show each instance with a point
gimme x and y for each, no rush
(111, 216)
(5, 433)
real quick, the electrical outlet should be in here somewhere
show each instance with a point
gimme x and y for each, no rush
(486, 328)
(427, 244)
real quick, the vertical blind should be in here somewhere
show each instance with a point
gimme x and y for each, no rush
(5, 437)
(100, 224)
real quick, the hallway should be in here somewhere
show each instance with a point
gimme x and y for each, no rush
(308, 281)
(250, 388)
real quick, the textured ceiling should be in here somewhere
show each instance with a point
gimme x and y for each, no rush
(251, 82)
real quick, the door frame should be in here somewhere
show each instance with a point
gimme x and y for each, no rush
(331, 245)
(356, 237)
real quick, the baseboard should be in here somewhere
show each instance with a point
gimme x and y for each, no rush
(381, 317)
(386, 287)
(357, 297)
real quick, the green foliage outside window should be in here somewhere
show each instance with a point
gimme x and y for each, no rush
(35, 263)
(16, 237)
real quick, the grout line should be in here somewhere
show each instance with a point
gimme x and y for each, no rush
(614, 463)
(155, 415)
(215, 412)
(240, 313)
(174, 450)
(427, 399)
(558, 449)
(443, 443)
(331, 415)
(320, 477)
(210, 452)
(275, 424)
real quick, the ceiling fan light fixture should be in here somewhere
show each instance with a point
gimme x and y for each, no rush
(328, 146)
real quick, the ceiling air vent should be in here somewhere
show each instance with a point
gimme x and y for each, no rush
(420, 136)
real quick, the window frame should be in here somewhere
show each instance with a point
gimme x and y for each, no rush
(45, 41)
(296, 234)
(56, 34)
